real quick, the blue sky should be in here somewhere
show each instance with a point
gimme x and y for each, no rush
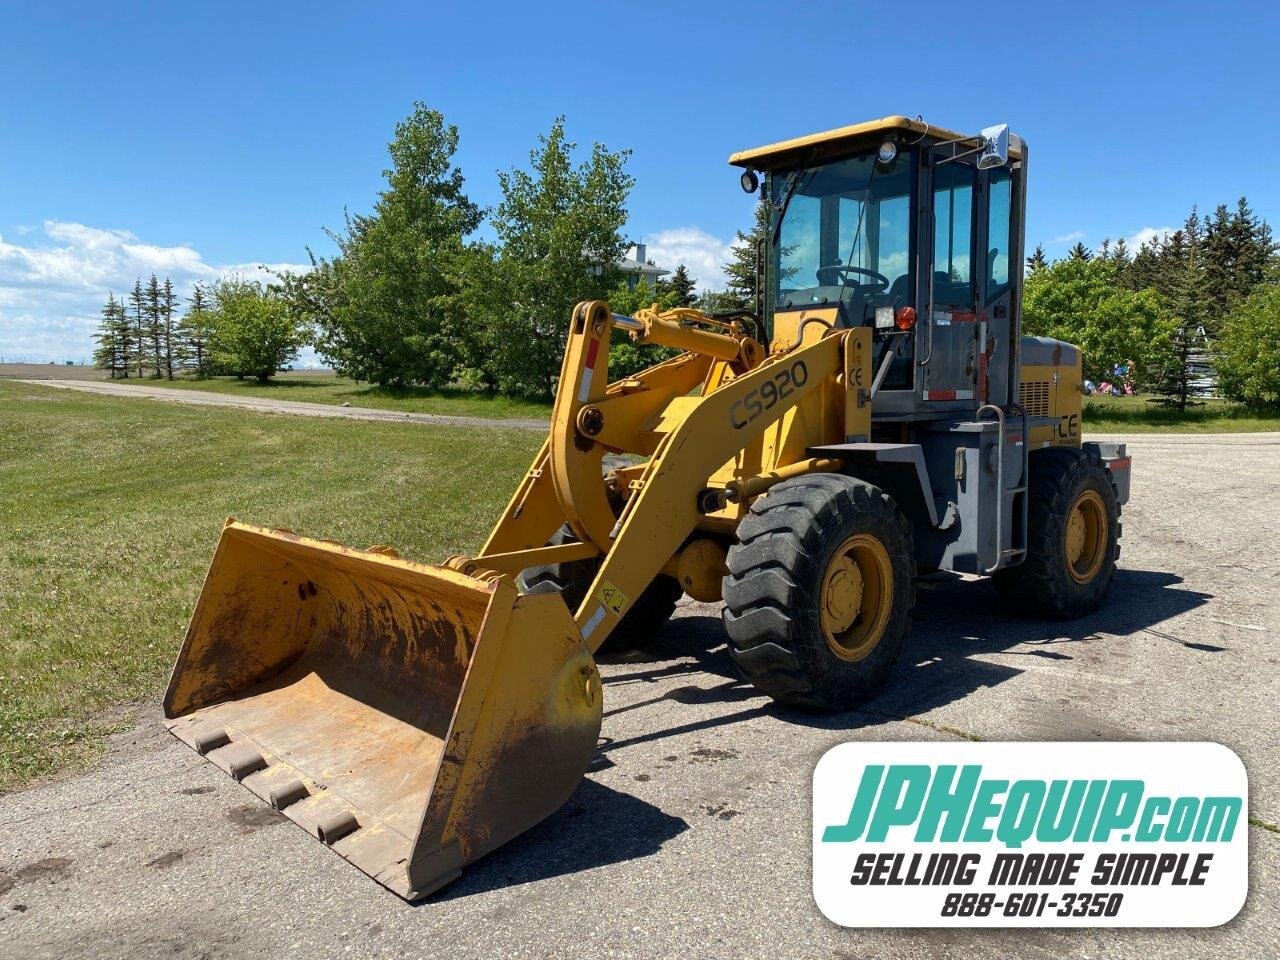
(196, 139)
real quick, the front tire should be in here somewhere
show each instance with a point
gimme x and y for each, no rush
(572, 580)
(820, 589)
(1073, 526)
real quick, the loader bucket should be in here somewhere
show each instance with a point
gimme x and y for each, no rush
(408, 716)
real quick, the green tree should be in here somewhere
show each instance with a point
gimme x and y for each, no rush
(1249, 349)
(1237, 247)
(154, 323)
(115, 340)
(683, 286)
(1122, 260)
(138, 320)
(1185, 374)
(1079, 301)
(195, 330)
(256, 329)
(389, 307)
(740, 271)
(559, 226)
(1037, 260)
(1079, 252)
(626, 357)
(169, 326)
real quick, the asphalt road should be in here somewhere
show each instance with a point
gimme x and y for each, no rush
(207, 398)
(690, 837)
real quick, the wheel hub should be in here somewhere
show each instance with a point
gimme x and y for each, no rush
(1075, 535)
(1084, 542)
(844, 594)
(856, 597)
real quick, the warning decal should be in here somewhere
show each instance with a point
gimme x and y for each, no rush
(611, 597)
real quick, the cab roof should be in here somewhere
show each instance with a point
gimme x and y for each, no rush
(831, 141)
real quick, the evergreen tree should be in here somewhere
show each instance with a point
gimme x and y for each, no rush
(169, 327)
(1037, 260)
(740, 291)
(154, 326)
(1122, 261)
(1186, 374)
(1237, 249)
(114, 338)
(683, 287)
(1144, 271)
(138, 320)
(194, 332)
(1079, 252)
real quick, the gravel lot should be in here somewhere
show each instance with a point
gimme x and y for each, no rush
(689, 837)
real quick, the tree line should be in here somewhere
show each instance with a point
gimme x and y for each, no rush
(414, 296)
(1197, 304)
(234, 326)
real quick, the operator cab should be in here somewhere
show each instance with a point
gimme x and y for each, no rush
(908, 229)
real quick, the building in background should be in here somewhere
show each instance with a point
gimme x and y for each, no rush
(635, 266)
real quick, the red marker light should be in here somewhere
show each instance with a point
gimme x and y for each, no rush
(905, 318)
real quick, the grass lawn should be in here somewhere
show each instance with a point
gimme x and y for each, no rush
(1138, 415)
(314, 387)
(109, 512)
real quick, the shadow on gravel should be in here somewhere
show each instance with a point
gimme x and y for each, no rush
(569, 841)
(954, 620)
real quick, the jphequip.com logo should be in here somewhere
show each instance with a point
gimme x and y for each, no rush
(1030, 834)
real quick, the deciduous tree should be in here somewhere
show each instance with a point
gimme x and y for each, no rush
(559, 228)
(1079, 301)
(389, 307)
(256, 330)
(1249, 349)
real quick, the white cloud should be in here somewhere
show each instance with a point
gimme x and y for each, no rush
(1146, 235)
(703, 254)
(53, 287)
(1075, 236)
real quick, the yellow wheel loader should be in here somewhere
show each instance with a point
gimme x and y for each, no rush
(878, 415)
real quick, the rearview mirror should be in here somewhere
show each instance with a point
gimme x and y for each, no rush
(995, 147)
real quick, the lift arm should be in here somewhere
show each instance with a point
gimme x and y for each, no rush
(715, 428)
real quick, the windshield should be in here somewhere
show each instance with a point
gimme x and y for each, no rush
(845, 236)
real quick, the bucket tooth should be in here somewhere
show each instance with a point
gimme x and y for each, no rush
(336, 826)
(288, 793)
(207, 740)
(238, 759)
(411, 717)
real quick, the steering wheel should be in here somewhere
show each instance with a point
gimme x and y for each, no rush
(881, 281)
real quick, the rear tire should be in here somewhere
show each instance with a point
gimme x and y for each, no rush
(572, 580)
(1073, 526)
(820, 589)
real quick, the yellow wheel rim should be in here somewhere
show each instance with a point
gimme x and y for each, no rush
(1085, 543)
(856, 597)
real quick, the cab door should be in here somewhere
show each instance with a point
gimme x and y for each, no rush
(948, 355)
(996, 287)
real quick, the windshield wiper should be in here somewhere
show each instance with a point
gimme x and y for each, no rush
(793, 184)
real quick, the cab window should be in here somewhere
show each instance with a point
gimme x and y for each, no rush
(999, 228)
(953, 234)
